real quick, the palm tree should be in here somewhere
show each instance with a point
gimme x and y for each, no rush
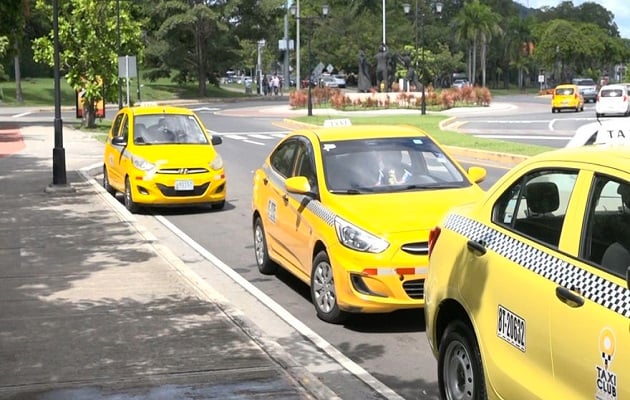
(477, 24)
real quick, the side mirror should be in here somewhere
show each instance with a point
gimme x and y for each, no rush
(477, 174)
(298, 184)
(119, 141)
(216, 139)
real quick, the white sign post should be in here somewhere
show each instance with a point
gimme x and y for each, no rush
(127, 69)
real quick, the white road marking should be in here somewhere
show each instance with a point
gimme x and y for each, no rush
(24, 114)
(281, 312)
(206, 109)
(524, 137)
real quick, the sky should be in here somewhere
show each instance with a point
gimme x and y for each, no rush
(619, 8)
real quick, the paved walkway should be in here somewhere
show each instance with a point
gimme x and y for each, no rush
(93, 307)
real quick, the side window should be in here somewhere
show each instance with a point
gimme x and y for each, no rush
(606, 242)
(306, 165)
(116, 125)
(536, 205)
(124, 131)
(283, 157)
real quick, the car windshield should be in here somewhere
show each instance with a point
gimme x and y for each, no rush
(564, 91)
(388, 165)
(168, 129)
(611, 93)
(585, 82)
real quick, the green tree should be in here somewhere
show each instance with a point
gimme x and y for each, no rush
(88, 41)
(13, 15)
(477, 24)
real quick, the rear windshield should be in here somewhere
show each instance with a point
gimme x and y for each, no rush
(611, 93)
(585, 82)
(564, 91)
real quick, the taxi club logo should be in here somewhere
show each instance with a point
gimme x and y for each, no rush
(606, 379)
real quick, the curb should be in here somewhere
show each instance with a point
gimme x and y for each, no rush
(300, 374)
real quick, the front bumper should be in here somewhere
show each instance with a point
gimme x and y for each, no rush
(371, 283)
(160, 190)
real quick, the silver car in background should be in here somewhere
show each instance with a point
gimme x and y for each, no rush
(587, 87)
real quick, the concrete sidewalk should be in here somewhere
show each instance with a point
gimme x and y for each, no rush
(92, 307)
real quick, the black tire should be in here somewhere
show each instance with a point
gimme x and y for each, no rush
(553, 110)
(218, 206)
(460, 370)
(108, 187)
(128, 198)
(265, 264)
(323, 292)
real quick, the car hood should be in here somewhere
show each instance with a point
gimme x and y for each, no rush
(177, 155)
(401, 212)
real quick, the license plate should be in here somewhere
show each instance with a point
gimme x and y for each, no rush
(184, 184)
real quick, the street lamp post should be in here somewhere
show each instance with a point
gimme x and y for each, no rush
(261, 44)
(407, 9)
(298, 17)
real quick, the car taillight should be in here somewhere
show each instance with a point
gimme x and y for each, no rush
(433, 237)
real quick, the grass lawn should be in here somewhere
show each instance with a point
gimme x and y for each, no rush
(40, 92)
(431, 124)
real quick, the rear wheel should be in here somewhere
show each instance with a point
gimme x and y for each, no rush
(128, 198)
(323, 293)
(265, 264)
(460, 370)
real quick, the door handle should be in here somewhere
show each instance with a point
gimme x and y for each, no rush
(265, 180)
(569, 297)
(476, 247)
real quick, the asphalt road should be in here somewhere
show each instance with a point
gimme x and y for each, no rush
(391, 348)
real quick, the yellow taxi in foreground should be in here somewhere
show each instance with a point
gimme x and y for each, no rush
(567, 97)
(527, 293)
(162, 155)
(348, 211)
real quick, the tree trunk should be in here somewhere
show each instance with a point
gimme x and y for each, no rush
(473, 78)
(483, 62)
(19, 97)
(89, 113)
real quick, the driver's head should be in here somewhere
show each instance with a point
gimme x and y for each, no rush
(624, 191)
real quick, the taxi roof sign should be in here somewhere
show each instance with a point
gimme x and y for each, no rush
(613, 132)
(337, 122)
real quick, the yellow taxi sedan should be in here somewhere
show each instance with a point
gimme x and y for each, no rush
(348, 211)
(163, 156)
(567, 97)
(527, 293)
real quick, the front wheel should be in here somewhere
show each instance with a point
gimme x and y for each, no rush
(128, 198)
(460, 370)
(323, 293)
(106, 184)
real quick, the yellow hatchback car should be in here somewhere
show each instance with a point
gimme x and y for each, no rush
(567, 97)
(163, 155)
(348, 211)
(527, 295)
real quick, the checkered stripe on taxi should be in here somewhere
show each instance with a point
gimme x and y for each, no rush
(595, 288)
(322, 212)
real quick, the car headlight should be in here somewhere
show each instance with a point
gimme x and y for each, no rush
(356, 238)
(142, 164)
(217, 163)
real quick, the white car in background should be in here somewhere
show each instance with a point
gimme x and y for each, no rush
(613, 99)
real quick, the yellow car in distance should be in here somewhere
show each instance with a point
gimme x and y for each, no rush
(163, 156)
(567, 97)
(527, 295)
(348, 211)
